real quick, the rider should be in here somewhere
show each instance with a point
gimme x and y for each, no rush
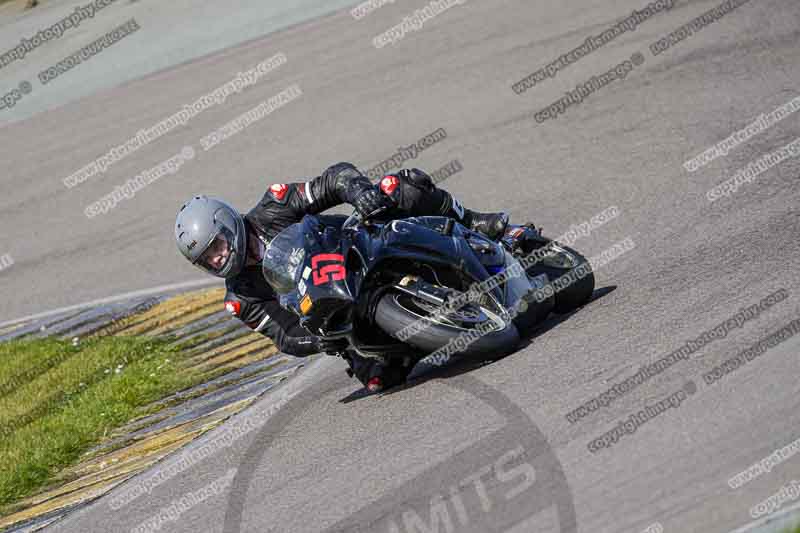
(216, 238)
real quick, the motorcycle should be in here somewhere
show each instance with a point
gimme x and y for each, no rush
(400, 290)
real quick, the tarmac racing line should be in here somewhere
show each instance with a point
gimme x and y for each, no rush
(513, 486)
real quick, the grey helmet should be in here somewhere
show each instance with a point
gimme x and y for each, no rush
(211, 235)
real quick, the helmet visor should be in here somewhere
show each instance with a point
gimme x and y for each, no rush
(218, 253)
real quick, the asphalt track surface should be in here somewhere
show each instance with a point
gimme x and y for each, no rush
(488, 448)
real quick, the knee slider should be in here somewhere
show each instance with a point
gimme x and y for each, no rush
(347, 170)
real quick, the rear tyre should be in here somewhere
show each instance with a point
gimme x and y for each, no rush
(573, 274)
(576, 295)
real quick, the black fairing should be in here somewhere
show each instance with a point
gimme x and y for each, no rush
(337, 262)
(421, 239)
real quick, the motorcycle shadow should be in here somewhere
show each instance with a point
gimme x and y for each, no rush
(555, 319)
(425, 371)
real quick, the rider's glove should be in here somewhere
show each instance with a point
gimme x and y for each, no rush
(371, 201)
(331, 346)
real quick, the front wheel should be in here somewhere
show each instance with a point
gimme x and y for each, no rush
(476, 329)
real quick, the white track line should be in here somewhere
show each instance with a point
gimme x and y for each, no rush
(112, 299)
(769, 518)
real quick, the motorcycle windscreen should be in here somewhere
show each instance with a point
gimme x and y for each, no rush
(283, 259)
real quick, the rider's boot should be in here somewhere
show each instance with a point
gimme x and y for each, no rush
(493, 225)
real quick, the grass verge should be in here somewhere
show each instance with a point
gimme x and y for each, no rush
(57, 400)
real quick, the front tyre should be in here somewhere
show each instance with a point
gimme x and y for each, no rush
(462, 331)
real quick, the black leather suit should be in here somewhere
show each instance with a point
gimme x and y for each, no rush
(254, 302)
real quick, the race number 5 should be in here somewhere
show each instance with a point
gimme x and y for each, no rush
(331, 272)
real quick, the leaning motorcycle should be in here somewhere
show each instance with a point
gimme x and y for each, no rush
(402, 290)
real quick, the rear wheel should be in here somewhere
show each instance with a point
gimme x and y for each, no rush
(571, 278)
(477, 328)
